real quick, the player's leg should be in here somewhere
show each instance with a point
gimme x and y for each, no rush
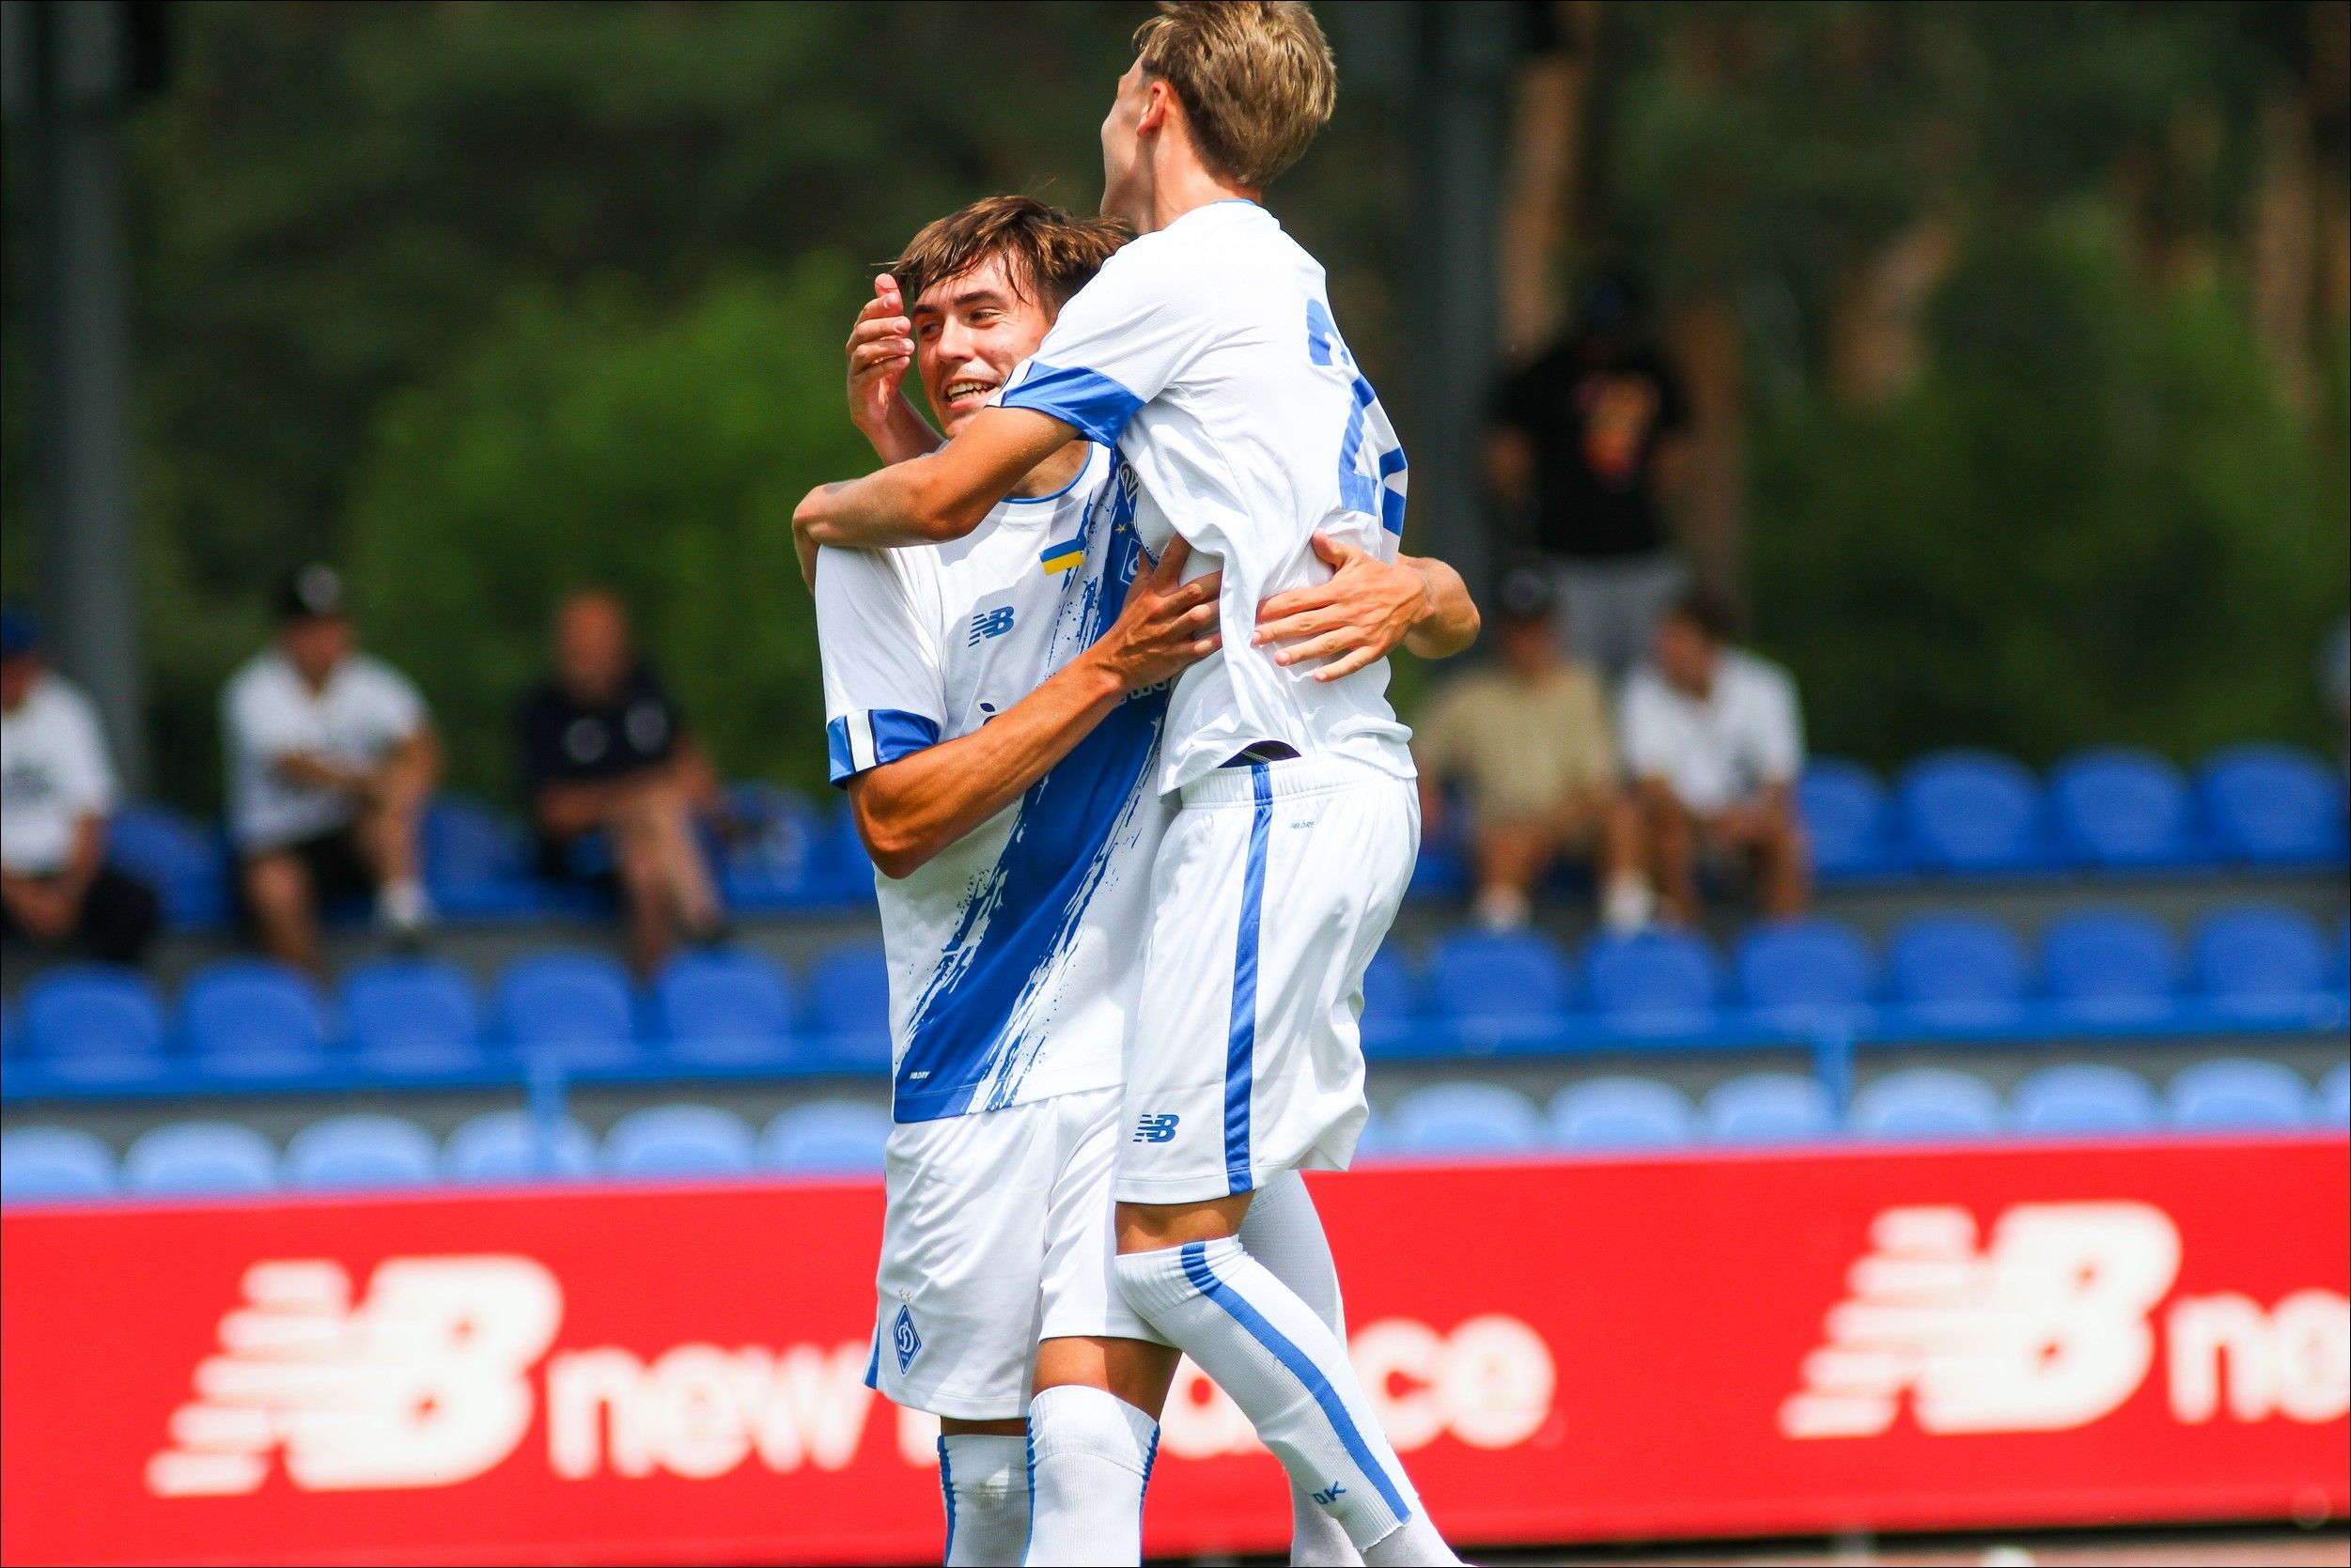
(984, 1485)
(1329, 847)
(278, 895)
(1282, 1231)
(1671, 838)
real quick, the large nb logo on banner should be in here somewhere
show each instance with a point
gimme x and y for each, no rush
(423, 1383)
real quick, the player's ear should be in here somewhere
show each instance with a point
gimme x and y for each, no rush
(1158, 101)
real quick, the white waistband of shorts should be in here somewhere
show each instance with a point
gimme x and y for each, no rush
(1291, 776)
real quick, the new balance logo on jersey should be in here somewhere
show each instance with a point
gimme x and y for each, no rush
(1156, 1129)
(903, 1338)
(1331, 1494)
(989, 623)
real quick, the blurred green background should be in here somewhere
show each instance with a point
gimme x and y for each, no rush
(2023, 328)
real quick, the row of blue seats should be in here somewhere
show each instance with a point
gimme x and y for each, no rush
(1954, 811)
(845, 1137)
(249, 1021)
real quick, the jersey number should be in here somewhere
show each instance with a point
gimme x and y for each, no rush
(1358, 491)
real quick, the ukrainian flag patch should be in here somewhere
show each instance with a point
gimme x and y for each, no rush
(1062, 556)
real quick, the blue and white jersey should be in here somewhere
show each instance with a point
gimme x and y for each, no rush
(1012, 953)
(1206, 352)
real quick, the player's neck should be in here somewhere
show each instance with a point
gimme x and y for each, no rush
(1052, 475)
(1181, 185)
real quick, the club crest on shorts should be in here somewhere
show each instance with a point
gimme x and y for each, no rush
(1156, 1129)
(907, 1344)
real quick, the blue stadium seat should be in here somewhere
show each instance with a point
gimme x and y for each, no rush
(1844, 813)
(1620, 1114)
(252, 1018)
(1389, 1007)
(573, 1005)
(2333, 1105)
(1972, 812)
(2273, 805)
(835, 1137)
(2238, 1094)
(1925, 1103)
(412, 1015)
(94, 1022)
(474, 858)
(2118, 807)
(2083, 1097)
(2111, 966)
(1655, 982)
(844, 871)
(187, 867)
(504, 1146)
(731, 1006)
(849, 1004)
(1959, 971)
(2261, 961)
(39, 1164)
(773, 861)
(1802, 970)
(678, 1141)
(1498, 982)
(199, 1159)
(1769, 1108)
(1461, 1119)
(361, 1151)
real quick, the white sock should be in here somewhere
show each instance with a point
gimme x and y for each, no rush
(1502, 908)
(1626, 904)
(404, 906)
(985, 1481)
(1282, 1230)
(1288, 1373)
(1090, 1456)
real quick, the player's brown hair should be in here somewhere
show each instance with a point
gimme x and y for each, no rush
(1045, 250)
(1255, 78)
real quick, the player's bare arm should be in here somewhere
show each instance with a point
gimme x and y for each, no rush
(907, 811)
(933, 499)
(1366, 609)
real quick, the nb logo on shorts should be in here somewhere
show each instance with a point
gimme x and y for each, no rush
(1156, 1129)
(907, 1344)
(1331, 1494)
(989, 623)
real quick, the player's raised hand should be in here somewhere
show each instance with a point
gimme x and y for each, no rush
(881, 348)
(1166, 625)
(1360, 615)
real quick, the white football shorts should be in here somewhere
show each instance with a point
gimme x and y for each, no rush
(1273, 889)
(999, 1234)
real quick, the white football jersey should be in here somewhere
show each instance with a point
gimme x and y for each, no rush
(1206, 352)
(1012, 953)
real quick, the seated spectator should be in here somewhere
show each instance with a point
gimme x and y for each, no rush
(616, 782)
(1527, 740)
(330, 759)
(1714, 742)
(56, 793)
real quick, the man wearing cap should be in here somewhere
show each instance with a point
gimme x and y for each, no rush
(1527, 742)
(56, 793)
(331, 758)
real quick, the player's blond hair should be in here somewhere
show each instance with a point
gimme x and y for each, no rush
(1255, 78)
(1047, 253)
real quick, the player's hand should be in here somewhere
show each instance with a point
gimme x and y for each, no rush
(881, 348)
(1366, 609)
(1166, 625)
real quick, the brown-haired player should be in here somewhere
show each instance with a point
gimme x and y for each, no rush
(1206, 352)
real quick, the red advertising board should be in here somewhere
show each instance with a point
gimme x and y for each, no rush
(1683, 1345)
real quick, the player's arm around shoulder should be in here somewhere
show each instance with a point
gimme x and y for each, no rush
(936, 498)
(1366, 610)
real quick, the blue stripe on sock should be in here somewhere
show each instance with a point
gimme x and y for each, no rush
(946, 1487)
(1221, 1291)
(1030, 1534)
(1151, 1456)
(1240, 1044)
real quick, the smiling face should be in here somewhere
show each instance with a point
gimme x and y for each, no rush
(969, 330)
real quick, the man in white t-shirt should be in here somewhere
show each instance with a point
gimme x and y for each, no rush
(1714, 741)
(56, 793)
(330, 759)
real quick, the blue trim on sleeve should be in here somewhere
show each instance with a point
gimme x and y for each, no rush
(897, 733)
(1391, 500)
(837, 752)
(1098, 407)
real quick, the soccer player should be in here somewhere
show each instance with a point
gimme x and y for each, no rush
(1206, 351)
(995, 729)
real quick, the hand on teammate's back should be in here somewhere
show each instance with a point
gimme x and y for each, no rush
(1166, 625)
(1361, 613)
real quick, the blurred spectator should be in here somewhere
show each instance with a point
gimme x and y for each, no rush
(1582, 438)
(1714, 742)
(331, 758)
(1527, 740)
(56, 793)
(615, 781)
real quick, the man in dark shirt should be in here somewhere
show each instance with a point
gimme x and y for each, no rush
(1582, 439)
(616, 782)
